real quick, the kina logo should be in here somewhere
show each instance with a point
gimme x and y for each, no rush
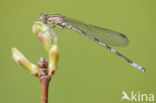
(138, 96)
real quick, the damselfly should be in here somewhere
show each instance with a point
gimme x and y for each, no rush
(100, 35)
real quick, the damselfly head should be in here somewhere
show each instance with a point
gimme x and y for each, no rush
(43, 16)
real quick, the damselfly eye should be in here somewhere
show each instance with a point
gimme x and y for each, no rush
(43, 16)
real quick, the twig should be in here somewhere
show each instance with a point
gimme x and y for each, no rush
(45, 70)
(44, 79)
(44, 82)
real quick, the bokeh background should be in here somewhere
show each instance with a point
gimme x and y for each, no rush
(87, 72)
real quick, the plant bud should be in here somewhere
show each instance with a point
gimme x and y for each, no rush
(53, 59)
(44, 34)
(39, 27)
(24, 62)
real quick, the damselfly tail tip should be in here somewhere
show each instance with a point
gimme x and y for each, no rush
(144, 70)
(138, 67)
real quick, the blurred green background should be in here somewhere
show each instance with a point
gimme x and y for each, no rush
(87, 72)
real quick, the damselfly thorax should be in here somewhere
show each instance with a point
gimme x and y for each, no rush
(56, 19)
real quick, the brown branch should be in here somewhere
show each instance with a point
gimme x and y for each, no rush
(44, 82)
(44, 79)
